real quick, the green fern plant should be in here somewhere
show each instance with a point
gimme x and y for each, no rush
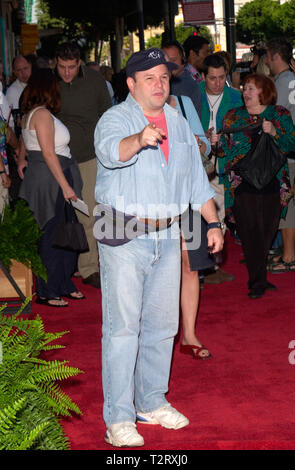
(31, 399)
(19, 235)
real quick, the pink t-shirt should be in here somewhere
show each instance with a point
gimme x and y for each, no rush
(160, 121)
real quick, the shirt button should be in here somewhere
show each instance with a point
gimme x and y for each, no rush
(162, 165)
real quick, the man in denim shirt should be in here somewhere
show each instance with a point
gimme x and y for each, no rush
(149, 170)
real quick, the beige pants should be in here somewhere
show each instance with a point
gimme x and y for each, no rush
(219, 196)
(3, 197)
(88, 262)
(220, 207)
(289, 221)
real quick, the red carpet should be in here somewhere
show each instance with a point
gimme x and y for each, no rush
(243, 398)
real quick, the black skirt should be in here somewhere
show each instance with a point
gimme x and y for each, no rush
(40, 188)
(196, 242)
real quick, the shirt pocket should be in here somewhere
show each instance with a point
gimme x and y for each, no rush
(182, 156)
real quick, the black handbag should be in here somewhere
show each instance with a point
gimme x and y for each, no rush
(69, 233)
(262, 162)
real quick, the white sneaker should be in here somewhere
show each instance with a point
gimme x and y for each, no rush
(123, 435)
(166, 416)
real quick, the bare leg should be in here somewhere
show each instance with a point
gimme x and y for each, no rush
(190, 290)
(77, 295)
(288, 238)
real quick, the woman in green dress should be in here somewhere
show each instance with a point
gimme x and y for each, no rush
(256, 213)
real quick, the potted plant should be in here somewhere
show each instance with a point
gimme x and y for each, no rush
(19, 235)
(31, 400)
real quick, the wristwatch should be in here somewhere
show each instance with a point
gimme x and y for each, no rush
(215, 225)
(2, 171)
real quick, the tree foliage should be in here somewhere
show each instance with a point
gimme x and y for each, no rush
(260, 20)
(181, 32)
(98, 19)
(286, 17)
(92, 22)
(45, 20)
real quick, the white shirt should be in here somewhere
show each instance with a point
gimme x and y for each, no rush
(5, 109)
(13, 93)
(214, 102)
(61, 137)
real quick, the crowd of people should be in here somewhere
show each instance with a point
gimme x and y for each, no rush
(154, 151)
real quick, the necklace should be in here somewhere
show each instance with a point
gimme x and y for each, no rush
(213, 105)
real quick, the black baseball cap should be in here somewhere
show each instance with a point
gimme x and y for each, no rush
(145, 60)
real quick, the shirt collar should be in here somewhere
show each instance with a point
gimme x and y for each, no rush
(131, 101)
(281, 73)
(21, 84)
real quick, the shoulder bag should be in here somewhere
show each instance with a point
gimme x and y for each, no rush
(262, 162)
(69, 233)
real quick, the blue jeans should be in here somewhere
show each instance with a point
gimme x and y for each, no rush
(140, 300)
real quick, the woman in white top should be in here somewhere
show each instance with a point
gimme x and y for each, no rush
(51, 178)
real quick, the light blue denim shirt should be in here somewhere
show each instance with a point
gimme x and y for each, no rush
(145, 186)
(193, 120)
